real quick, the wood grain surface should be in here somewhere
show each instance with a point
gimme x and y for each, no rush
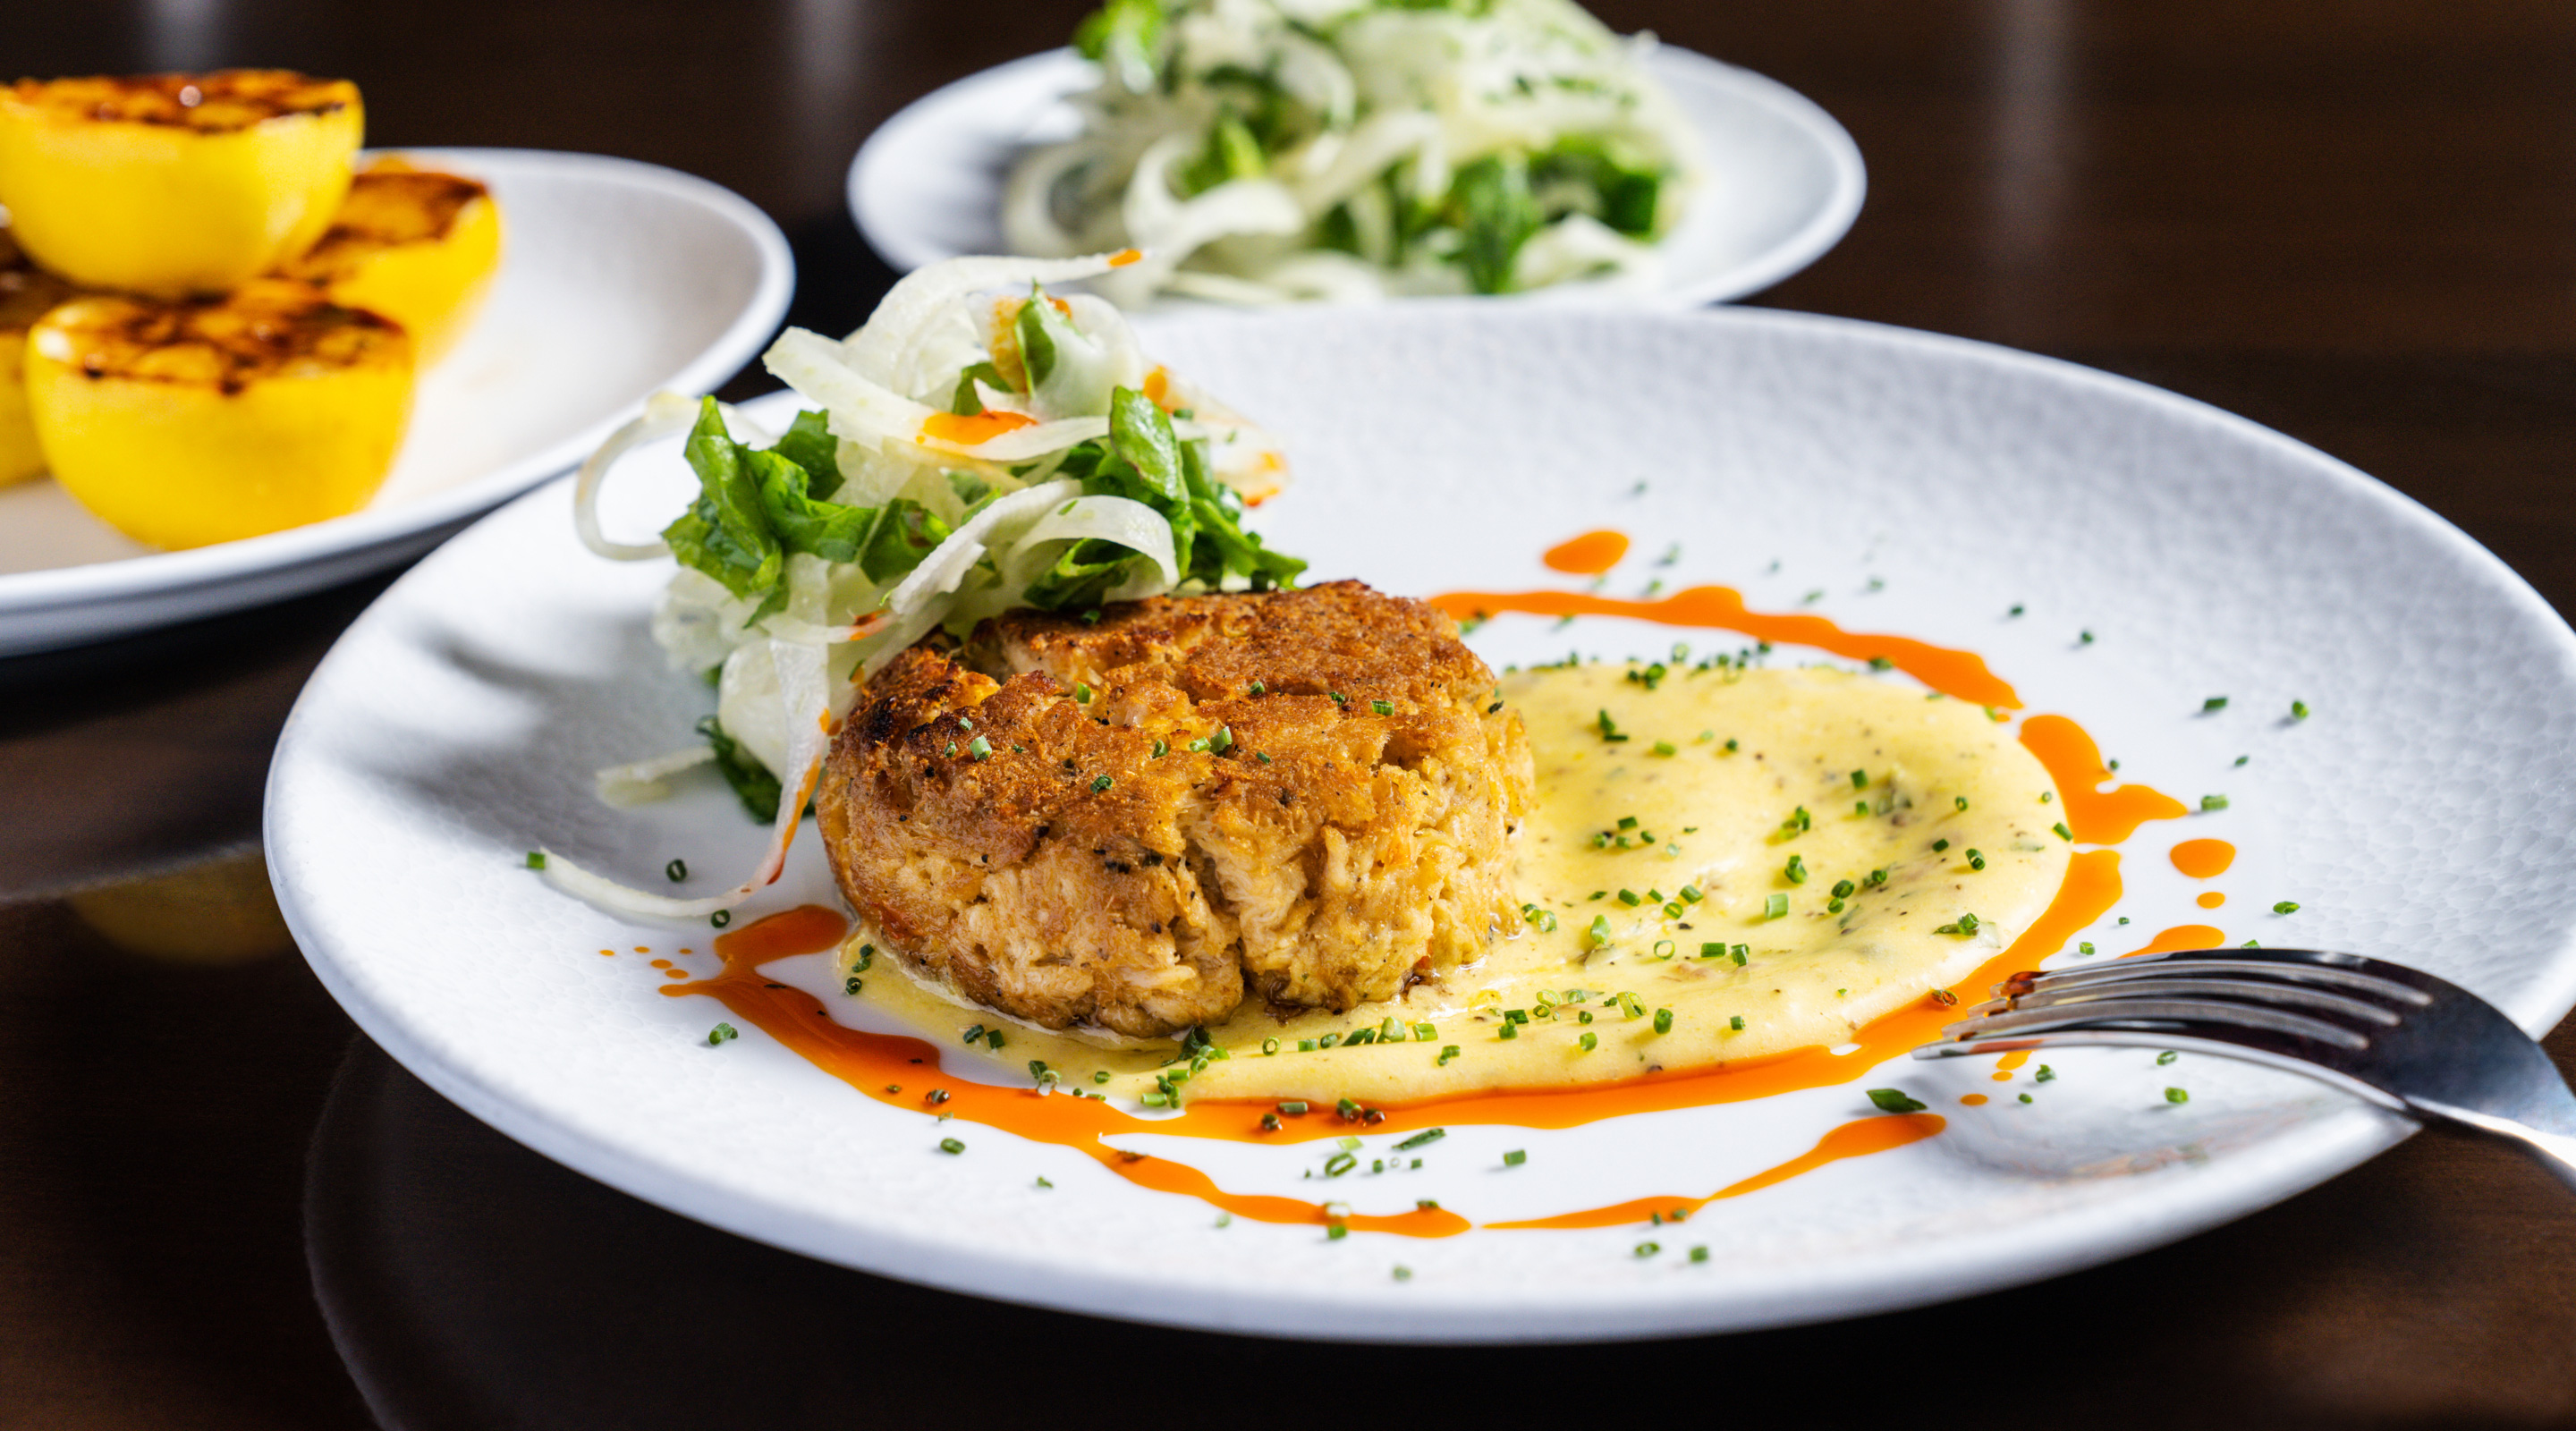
(2353, 220)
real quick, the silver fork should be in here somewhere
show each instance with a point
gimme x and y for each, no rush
(2398, 1037)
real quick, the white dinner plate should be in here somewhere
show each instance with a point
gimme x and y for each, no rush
(1784, 180)
(616, 279)
(2158, 552)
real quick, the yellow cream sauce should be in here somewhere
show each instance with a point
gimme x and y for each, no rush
(1670, 806)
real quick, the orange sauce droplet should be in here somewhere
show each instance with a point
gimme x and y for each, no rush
(2005, 1065)
(1124, 257)
(1158, 387)
(2204, 859)
(973, 429)
(2183, 936)
(2097, 816)
(608, 953)
(1960, 674)
(640, 949)
(2212, 900)
(806, 929)
(1587, 555)
(1973, 1100)
(1856, 1139)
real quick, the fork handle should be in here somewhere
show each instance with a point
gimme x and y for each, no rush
(2554, 1151)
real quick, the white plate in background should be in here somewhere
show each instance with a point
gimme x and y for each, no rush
(2158, 551)
(1784, 180)
(616, 279)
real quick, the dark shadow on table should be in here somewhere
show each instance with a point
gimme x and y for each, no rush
(470, 1282)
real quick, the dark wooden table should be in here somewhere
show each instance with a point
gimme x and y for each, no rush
(2354, 220)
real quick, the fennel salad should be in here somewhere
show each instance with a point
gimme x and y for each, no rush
(1347, 150)
(980, 444)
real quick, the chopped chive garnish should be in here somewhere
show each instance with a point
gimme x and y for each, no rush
(722, 1033)
(951, 1146)
(1448, 1051)
(1100, 783)
(1663, 1021)
(1515, 1157)
(536, 859)
(2298, 710)
(2063, 833)
(1423, 1139)
(676, 871)
(1587, 1041)
(1894, 1100)
(2168, 1056)
(1384, 708)
(1082, 693)
(720, 918)
(2213, 802)
(2176, 1095)
(1736, 1023)
(1796, 870)
(2287, 906)
(981, 749)
(1843, 888)
(2213, 704)
(1775, 907)
(1860, 780)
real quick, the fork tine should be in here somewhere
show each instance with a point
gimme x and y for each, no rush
(2207, 1017)
(2272, 993)
(2290, 966)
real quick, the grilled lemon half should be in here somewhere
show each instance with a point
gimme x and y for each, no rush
(182, 423)
(175, 184)
(414, 245)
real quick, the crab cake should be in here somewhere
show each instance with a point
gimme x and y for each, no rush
(1134, 824)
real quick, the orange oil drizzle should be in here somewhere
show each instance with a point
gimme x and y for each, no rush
(2182, 936)
(2204, 859)
(904, 1071)
(2211, 900)
(1973, 1100)
(1961, 674)
(2097, 816)
(1587, 555)
(2005, 1065)
(973, 429)
(1857, 1139)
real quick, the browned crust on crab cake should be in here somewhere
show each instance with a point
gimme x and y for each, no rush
(1340, 829)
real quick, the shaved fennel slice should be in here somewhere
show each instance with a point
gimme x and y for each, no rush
(948, 563)
(666, 414)
(805, 691)
(1129, 523)
(641, 782)
(865, 411)
(929, 296)
(1171, 229)
(1028, 200)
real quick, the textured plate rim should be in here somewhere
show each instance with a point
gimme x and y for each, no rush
(23, 593)
(2055, 1242)
(1813, 239)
